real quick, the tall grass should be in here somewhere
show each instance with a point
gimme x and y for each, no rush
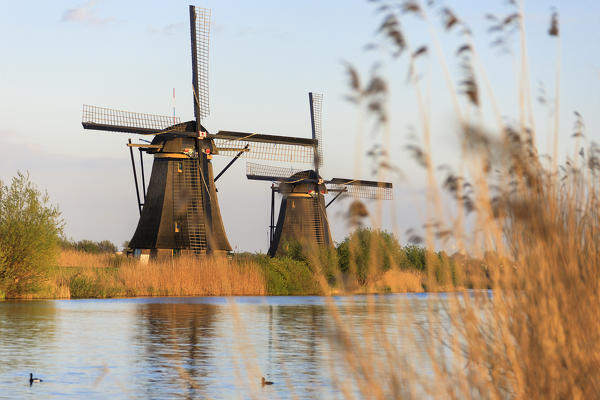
(193, 277)
(87, 275)
(536, 229)
(75, 258)
(102, 275)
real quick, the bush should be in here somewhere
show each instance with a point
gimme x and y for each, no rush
(286, 276)
(322, 261)
(355, 256)
(89, 246)
(414, 258)
(29, 235)
(101, 283)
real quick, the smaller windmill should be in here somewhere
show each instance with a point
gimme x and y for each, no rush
(302, 213)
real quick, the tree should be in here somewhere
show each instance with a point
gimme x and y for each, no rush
(355, 255)
(30, 228)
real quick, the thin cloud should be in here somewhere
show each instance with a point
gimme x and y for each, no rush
(261, 31)
(84, 14)
(168, 29)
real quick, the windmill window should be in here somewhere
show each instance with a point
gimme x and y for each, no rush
(176, 226)
(180, 166)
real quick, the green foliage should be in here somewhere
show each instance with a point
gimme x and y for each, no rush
(29, 233)
(89, 246)
(293, 249)
(326, 262)
(365, 248)
(321, 260)
(102, 283)
(414, 258)
(286, 276)
(82, 287)
(355, 257)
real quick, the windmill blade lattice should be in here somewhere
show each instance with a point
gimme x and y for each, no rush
(109, 119)
(362, 189)
(272, 173)
(265, 147)
(200, 35)
(316, 111)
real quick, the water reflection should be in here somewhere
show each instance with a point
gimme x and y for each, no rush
(207, 349)
(25, 328)
(176, 341)
(297, 337)
(199, 347)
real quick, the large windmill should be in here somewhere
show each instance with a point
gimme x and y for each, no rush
(302, 213)
(179, 212)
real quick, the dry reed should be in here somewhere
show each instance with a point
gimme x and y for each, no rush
(400, 281)
(74, 258)
(188, 276)
(83, 274)
(536, 230)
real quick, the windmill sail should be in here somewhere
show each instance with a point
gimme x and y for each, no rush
(108, 119)
(265, 147)
(361, 188)
(316, 107)
(200, 34)
(271, 173)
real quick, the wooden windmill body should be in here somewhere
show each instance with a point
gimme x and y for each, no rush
(179, 211)
(302, 213)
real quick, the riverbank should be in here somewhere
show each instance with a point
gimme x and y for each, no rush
(85, 275)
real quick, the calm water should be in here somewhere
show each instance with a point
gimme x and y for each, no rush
(195, 347)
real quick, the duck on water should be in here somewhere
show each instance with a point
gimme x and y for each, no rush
(264, 382)
(33, 380)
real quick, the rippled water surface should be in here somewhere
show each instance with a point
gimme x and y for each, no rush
(192, 347)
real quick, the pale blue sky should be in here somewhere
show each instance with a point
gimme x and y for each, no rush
(264, 58)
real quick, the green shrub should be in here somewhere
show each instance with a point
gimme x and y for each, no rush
(88, 246)
(293, 249)
(99, 284)
(414, 258)
(30, 228)
(320, 260)
(355, 256)
(286, 276)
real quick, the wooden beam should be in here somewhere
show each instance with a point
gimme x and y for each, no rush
(145, 146)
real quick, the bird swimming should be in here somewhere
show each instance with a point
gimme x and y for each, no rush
(264, 382)
(33, 380)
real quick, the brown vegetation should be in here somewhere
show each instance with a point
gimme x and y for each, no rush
(102, 275)
(534, 226)
(74, 258)
(193, 277)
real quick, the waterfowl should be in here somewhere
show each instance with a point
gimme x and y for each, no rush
(34, 380)
(264, 382)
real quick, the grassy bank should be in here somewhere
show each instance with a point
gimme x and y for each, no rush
(103, 275)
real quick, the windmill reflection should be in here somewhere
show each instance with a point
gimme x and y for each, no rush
(197, 350)
(177, 337)
(297, 345)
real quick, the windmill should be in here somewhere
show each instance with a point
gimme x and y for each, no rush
(302, 213)
(179, 211)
